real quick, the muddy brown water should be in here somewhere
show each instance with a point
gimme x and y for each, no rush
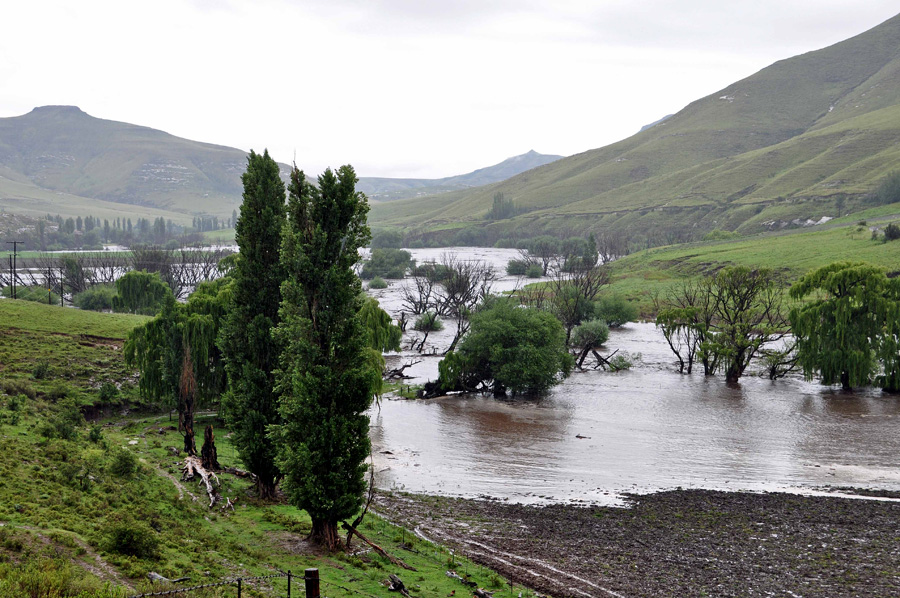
(598, 434)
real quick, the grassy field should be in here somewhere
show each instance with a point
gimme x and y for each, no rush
(642, 275)
(91, 507)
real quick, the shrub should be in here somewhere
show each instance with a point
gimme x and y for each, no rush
(377, 283)
(516, 267)
(387, 263)
(888, 190)
(892, 232)
(108, 392)
(64, 423)
(387, 239)
(428, 322)
(18, 387)
(615, 310)
(123, 464)
(534, 271)
(623, 361)
(96, 433)
(127, 536)
(432, 271)
(58, 390)
(41, 370)
(99, 297)
(591, 333)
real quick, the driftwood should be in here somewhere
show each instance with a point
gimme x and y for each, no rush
(395, 584)
(482, 593)
(154, 576)
(397, 373)
(191, 468)
(238, 472)
(377, 548)
(461, 579)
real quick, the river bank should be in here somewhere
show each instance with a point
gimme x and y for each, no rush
(677, 543)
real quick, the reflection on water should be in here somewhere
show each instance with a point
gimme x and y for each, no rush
(646, 429)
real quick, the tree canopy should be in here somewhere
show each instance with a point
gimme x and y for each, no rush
(850, 323)
(508, 347)
(327, 379)
(251, 403)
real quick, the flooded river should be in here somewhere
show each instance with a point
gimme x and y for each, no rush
(599, 434)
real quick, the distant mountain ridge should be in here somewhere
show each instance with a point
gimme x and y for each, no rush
(387, 189)
(789, 143)
(59, 159)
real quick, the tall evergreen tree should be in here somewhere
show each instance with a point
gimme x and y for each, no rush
(250, 356)
(327, 378)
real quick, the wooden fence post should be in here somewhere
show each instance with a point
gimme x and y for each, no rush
(289, 583)
(311, 577)
(239, 587)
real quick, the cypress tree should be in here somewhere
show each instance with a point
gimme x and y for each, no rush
(327, 377)
(250, 403)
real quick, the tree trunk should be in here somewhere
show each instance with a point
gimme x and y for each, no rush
(325, 533)
(845, 381)
(208, 456)
(265, 489)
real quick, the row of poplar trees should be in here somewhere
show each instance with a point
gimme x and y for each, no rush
(300, 373)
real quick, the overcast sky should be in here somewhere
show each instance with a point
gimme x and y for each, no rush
(402, 88)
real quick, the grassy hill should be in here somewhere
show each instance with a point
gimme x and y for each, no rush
(89, 508)
(645, 274)
(60, 149)
(783, 144)
(58, 159)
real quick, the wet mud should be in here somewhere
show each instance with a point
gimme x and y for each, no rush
(677, 543)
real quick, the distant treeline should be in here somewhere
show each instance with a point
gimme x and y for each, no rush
(55, 233)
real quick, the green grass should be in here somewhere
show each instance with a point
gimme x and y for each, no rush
(62, 498)
(782, 144)
(642, 275)
(222, 236)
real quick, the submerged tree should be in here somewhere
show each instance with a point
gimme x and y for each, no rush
(848, 325)
(508, 348)
(251, 403)
(327, 377)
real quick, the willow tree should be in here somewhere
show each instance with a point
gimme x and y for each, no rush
(327, 378)
(251, 403)
(850, 322)
(177, 356)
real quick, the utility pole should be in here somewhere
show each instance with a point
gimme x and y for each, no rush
(15, 274)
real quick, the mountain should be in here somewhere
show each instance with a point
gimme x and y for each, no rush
(797, 141)
(63, 150)
(59, 159)
(387, 189)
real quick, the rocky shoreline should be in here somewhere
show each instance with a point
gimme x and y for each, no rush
(678, 543)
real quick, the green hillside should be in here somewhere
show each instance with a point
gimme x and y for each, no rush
(645, 274)
(60, 149)
(781, 145)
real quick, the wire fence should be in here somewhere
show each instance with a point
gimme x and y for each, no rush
(239, 582)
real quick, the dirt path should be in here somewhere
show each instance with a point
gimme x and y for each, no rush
(679, 543)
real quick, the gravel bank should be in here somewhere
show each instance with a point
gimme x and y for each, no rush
(679, 543)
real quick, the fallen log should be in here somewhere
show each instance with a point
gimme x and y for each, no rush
(193, 468)
(395, 584)
(377, 548)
